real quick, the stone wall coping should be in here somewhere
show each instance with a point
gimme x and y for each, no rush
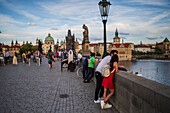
(149, 84)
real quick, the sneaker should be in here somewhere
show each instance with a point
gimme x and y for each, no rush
(101, 98)
(107, 106)
(102, 103)
(96, 101)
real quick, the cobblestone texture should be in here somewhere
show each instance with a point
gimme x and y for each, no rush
(35, 89)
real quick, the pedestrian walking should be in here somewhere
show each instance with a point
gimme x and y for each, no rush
(2, 57)
(7, 57)
(79, 56)
(15, 59)
(28, 57)
(38, 58)
(49, 58)
(24, 58)
(108, 82)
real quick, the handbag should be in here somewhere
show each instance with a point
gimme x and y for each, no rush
(106, 71)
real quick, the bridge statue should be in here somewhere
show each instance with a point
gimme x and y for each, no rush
(85, 34)
(85, 42)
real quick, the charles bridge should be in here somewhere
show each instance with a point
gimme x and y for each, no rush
(35, 89)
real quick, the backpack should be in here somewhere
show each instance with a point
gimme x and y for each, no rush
(23, 56)
(106, 71)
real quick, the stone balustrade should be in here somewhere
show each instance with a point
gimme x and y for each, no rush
(135, 94)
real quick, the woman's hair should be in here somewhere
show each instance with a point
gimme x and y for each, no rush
(113, 59)
(92, 54)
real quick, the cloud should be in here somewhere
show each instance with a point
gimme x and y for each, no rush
(123, 37)
(26, 14)
(31, 23)
(151, 38)
(96, 39)
(124, 33)
(54, 29)
(133, 18)
(18, 8)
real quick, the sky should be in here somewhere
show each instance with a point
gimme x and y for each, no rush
(136, 20)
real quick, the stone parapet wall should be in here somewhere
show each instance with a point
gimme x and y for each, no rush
(134, 94)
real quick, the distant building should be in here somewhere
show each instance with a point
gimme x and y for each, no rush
(48, 43)
(143, 48)
(70, 40)
(124, 49)
(165, 46)
(11, 49)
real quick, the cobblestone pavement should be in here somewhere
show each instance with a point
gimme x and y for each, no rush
(35, 89)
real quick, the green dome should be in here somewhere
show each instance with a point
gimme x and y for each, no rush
(49, 38)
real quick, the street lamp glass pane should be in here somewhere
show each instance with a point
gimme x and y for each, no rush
(104, 9)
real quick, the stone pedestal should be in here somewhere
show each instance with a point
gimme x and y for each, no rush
(85, 49)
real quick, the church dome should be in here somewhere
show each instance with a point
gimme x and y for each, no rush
(49, 38)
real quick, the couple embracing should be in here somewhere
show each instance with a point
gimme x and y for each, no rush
(105, 83)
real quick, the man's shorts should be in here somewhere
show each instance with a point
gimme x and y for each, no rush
(49, 61)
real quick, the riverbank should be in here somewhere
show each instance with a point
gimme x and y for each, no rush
(159, 57)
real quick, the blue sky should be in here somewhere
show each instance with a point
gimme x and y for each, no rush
(25, 20)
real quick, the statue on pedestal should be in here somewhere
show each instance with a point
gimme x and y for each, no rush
(85, 42)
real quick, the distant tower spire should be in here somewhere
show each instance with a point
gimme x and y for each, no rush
(116, 33)
(16, 42)
(140, 42)
(69, 33)
(12, 43)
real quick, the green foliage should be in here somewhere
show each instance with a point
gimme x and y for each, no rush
(28, 47)
(158, 50)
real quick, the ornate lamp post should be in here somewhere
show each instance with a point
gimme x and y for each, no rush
(104, 6)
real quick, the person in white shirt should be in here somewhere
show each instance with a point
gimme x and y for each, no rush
(2, 58)
(79, 56)
(7, 56)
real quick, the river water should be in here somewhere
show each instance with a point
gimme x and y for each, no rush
(156, 70)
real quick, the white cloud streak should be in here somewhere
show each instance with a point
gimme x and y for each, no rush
(140, 22)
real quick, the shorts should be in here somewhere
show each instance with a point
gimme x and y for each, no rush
(28, 59)
(2, 58)
(49, 61)
(37, 58)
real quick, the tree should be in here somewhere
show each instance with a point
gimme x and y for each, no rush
(40, 46)
(158, 50)
(28, 47)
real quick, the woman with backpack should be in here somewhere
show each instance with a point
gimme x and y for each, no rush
(108, 82)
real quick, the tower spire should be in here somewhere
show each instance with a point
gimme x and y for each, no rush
(69, 33)
(116, 33)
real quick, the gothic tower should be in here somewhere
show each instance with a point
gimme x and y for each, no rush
(70, 41)
(116, 39)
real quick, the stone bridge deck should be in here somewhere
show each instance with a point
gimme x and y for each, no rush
(35, 89)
